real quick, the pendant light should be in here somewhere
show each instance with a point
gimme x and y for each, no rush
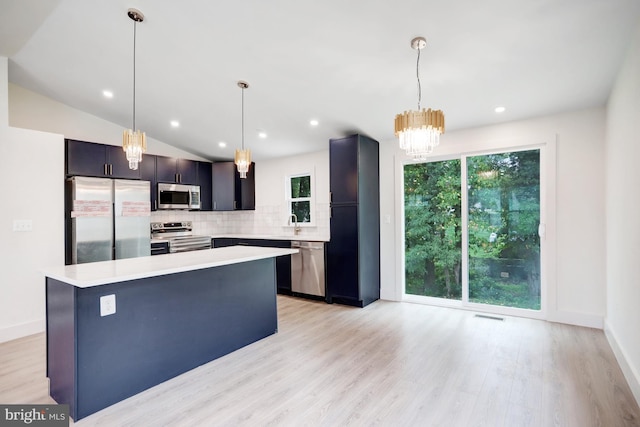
(243, 157)
(134, 142)
(419, 131)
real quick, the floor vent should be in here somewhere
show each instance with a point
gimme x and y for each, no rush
(484, 316)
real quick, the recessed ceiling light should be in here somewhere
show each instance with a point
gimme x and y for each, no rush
(175, 124)
(500, 110)
(262, 135)
(313, 123)
(107, 93)
(222, 144)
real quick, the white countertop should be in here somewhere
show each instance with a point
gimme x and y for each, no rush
(260, 237)
(292, 237)
(105, 272)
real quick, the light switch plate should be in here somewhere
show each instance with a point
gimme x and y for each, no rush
(107, 305)
(22, 225)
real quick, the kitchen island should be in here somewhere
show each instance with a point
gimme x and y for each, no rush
(116, 328)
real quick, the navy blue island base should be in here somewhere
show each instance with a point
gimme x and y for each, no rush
(163, 326)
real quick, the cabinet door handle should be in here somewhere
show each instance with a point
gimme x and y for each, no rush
(110, 169)
(215, 205)
(104, 169)
(235, 205)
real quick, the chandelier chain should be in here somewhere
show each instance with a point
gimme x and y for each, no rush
(418, 77)
(135, 24)
(242, 120)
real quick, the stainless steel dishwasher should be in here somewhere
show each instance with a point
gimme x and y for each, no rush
(307, 268)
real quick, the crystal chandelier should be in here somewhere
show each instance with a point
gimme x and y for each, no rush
(134, 142)
(243, 157)
(419, 131)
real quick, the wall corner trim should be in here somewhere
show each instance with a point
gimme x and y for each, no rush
(629, 372)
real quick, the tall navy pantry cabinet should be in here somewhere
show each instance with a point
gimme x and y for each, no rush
(353, 253)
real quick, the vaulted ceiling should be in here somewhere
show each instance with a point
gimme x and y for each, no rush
(347, 64)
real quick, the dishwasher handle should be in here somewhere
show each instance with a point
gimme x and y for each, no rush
(317, 246)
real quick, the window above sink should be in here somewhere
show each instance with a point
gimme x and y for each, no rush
(300, 199)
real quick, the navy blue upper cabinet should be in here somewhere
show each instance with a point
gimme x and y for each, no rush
(205, 183)
(119, 165)
(90, 159)
(343, 170)
(178, 171)
(148, 173)
(230, 192)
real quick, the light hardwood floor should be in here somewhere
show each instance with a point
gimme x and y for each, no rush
(389, 364)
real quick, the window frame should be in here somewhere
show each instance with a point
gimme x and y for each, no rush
(289, 199)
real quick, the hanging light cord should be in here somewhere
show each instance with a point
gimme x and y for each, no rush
(242, 118)
(418, 76)
(135, 24)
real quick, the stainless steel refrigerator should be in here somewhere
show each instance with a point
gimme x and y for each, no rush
(107, 219)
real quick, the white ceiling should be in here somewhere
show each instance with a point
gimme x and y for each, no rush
(346, 63)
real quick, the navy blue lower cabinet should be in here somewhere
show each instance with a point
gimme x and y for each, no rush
(163, 326)
(283, 263)
(223, 242)
(343, 268)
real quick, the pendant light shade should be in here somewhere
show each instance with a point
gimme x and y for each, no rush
(243, 157)
(418, 132)
(134, 142)
(243, 161)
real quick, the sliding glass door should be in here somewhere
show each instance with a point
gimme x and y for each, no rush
(433, 252)
(503, 217)
(471, 229)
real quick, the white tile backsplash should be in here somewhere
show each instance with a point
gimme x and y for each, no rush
(263, 221)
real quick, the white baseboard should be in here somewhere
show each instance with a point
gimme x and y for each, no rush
(577, 319)
(22, 330)
(630, 374)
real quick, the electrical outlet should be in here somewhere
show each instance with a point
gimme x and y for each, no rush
(22, 225)
(107, 305)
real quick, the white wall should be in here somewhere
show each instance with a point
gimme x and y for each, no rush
(29, 110)
(271, 177)
(579, 292)
(622, 224)
(32, 173)
(4, 96)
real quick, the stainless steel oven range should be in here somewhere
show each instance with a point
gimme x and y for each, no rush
(179, 235)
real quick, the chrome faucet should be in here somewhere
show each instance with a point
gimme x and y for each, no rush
(296, 228)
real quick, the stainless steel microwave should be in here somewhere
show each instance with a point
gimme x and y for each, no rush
(178, 196)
